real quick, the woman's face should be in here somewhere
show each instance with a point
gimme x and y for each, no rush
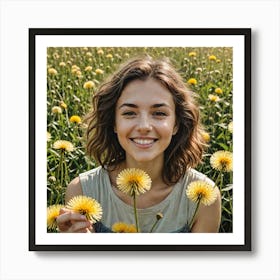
(145, 121)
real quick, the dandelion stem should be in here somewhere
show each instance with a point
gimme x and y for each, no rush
(154, 225)
(195, 212)
(135, 212)
(61, 167)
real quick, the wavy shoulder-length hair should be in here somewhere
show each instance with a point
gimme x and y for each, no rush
(187, 145)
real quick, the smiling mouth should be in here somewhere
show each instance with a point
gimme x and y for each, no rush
(143, 142)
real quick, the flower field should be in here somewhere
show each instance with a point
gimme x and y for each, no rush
(74, 74)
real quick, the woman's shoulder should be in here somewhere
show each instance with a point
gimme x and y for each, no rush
(92, 172)
(74, 188)
(194, 175)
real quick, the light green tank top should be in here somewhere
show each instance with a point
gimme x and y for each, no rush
(176, 208)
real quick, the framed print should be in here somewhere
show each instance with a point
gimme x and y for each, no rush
(92, 111)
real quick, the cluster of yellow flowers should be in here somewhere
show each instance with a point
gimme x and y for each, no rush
(81, 204)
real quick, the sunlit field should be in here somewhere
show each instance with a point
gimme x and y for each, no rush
(73, 76)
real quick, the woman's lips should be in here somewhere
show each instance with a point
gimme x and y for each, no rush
(143, 142)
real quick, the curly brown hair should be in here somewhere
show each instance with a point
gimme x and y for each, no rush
(187, 145)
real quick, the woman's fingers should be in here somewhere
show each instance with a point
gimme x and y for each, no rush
(69, 221)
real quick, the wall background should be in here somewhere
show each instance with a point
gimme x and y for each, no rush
(16, 262)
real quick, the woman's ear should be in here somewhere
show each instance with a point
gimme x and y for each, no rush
(175, 129)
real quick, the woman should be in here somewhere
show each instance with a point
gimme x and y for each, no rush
(144, 117)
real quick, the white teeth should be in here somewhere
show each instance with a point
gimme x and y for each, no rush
(143, 141)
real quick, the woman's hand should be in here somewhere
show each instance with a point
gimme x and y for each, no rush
(72, 222)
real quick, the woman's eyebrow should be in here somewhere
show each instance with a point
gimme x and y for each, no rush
(160, 105)
(135, 106)
(128, 105)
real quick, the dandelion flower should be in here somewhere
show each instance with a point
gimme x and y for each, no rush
(109, 56)
(62, 64)
(49, 136)
(214, 98)
(62, 105)
(212, 57)
(222, 161)
(201, 191)
(88, 68)
(159, 215)
(133, 181)
(56, 110)
(52, 71)
(88, 84)
(100, 52)
(75, 119)
(52, 179)
(218, 91)
(121, 227)
(86, 206)
(52, 213)
(206, 136)
(99, 71)
(192, 81)
(63, 145)
(192, 54)
(230, 127)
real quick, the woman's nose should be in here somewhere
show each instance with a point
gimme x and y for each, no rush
(144, 124)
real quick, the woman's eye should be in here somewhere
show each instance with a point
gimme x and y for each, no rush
(128, 114)
(160, 114)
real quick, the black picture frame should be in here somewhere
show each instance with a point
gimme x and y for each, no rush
(35, 33)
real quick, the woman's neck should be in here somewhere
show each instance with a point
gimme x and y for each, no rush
(154, 170)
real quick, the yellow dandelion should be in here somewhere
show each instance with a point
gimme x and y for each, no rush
(201, 191)
(214, 98)
(218, 91)
(62, 64)
(100, 52)
(121, 227)
(222, 161)
(212, 57)
(99, 71)
(88, 84)
(52, 71)
(230, 127)
(56, 110)
(206, 136)
(109, 55)
(78, 74)
(89, 54)
(49, 137)
(75, 119)
(88, 68)
(192, 54)
(52, 213)
(63, 145)
(62, 105)
(133, 181)
(75, 67)
(192, 81)
(87, 206)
